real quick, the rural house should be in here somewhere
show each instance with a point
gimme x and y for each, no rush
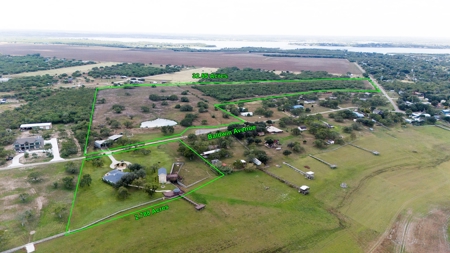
(113, 177)
(29, 143)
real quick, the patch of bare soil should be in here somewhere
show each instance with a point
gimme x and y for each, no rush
(418, 234)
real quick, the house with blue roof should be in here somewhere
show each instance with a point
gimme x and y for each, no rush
(162, 175)
(113, 177)
(298, 107)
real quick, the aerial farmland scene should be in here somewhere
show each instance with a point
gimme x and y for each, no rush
(231, 126)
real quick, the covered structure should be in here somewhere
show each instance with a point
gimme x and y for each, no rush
(38, 125)
(162, 175)
(256, 161)
(246, 114)
(272, 129)
(174, 193)
(104, 143)
(173, 178)
(304, 189)
(206, 153)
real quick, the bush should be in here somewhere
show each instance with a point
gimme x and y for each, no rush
(68, 183)
(186, 108)
(35, 177)
(122, 193)
(118, 108)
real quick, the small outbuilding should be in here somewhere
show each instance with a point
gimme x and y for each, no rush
(246, 114)
(304, 189)
(162, 175)
(256, 161)
(38, 125)
(272, 129)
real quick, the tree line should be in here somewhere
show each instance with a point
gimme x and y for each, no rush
(229, 92)
(35, 62)
(132, 69)
(250, 74)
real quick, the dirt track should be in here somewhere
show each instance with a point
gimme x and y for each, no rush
(206, 59)
(418, 233)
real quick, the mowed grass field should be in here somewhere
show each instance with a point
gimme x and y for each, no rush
(240, 216)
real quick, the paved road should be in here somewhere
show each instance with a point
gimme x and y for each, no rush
(42, 163)
(386, 95)
(205, 131)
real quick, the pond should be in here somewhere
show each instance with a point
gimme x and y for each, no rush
(158, 123)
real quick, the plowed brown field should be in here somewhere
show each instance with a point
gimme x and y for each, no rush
(203, 59)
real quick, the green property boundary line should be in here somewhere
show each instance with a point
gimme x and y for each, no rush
(177, 137)
(240, 120)
(69, 232)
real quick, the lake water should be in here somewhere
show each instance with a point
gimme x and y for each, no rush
(220, 44)
(158, 123)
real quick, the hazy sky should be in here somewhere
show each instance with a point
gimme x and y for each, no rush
(424, 18)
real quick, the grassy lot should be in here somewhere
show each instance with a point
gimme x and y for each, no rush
(43, 199)
(231, 222)
(100, 200)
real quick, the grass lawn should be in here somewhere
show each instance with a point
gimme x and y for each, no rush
(231, 222)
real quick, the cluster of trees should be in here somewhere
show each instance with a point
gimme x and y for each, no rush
(188, 119)
(34, 62)
(250, 74)
(26, 83)
(229, 92)
(65, 106)
(132, 69)
(68, 147)
(427, 73)
(202, 107)
(155, 97)
(167, 130)
(266, 112)
(118, 108)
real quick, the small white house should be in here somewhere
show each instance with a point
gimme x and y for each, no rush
(162, 175)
